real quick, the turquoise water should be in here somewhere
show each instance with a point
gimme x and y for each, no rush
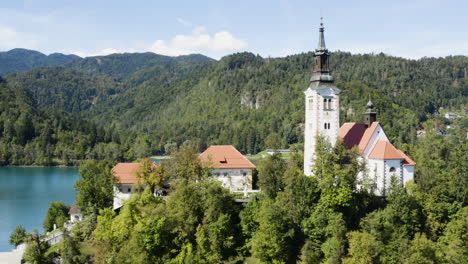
(25, 195)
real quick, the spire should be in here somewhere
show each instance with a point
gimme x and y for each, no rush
(321, 45)
(321, 72)
(370, 115)
(370, 105)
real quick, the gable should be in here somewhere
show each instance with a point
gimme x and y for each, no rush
(225, 156)
(385, 150)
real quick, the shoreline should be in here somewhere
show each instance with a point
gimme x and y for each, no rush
(37, 166)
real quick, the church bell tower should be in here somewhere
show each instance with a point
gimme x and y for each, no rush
(322, 114)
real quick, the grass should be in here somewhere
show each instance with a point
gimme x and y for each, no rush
(257, 157)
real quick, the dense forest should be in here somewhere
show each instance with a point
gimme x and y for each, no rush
(242, 99)
(32, 136)
(18, 60)
(323, 218)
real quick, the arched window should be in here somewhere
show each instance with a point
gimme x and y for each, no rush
(324, 103)
(392, 169)
(328, 125)
(325, 125)
(329, 104)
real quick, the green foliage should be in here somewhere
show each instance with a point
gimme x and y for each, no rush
(70, 250)
(18, 60)
(273, 240)
(243, 99)
(336, 169)
(36, 250)
(31, 136)
(270, 174)
(18, 235)
(363, 248)
(95, 186)
(57, 215)
(152, 176)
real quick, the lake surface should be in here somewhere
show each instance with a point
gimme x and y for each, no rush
(25, 195)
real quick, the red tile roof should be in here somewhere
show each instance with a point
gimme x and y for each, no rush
(367, 136)
(351, 133)
(385, 150)
(407, 160)
(225, 157)
(74, 209)
(124, 172)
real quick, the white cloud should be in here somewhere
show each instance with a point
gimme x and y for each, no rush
(199, 41)
(184, 22)
(10, 38)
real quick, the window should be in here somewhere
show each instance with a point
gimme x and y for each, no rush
(129, 189)
(244, 174)
(392, 169)
(225, 174)
(311, 101)
(325, 125)
(324, 104)
(328, 125)
(329, 104)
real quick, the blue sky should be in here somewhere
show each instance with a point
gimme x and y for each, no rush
(410, 29)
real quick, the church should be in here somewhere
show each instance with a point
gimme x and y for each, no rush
(322, 118)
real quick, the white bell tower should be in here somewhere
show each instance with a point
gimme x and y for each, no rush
(322, 108)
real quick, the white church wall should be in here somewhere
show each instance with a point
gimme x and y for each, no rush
(322, 118)
(376, 174)
(378, 134)
(408, 173)
(393, 168)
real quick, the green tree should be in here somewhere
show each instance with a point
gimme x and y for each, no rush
(270, 174)
(18, 235)
(184, 165)
(336, 169)
(422, 251)
(272, 242)
(95, 186)
(70, 250)
(35, 250)
(363, 248)
(56, 214)
(155, 176)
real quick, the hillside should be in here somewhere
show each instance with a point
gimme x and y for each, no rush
(32, 136)
(243, 99)
(19, 60)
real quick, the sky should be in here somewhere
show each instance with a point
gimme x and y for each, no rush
(274, 28)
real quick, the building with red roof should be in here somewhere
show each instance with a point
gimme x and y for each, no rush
(125, 181)
(229, 166)
(383, 160)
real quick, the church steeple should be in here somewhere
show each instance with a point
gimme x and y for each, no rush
(321, 45)
(321, 72)
(370, 115)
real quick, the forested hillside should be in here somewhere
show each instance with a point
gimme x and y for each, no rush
(242, 99)
(32, 136)
(18, 60)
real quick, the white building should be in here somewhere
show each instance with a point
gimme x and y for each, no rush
(322, 118)
(126, 180)
(75, 213)
(229, 167)
(450, 115)
(322, 115)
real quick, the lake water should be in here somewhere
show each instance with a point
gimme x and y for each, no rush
(25, 195)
